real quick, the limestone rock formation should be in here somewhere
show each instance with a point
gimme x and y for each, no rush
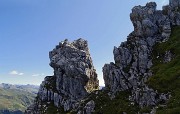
(172, 10)
(74, 77)
(133, 58)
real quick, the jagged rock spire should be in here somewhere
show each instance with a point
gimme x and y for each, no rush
(73, 68)
(74, 77)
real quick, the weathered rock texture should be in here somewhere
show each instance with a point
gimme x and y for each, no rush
(133, 58)
(74, 74)
(74, 77)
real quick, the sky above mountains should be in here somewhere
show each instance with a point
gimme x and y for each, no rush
(29, 29)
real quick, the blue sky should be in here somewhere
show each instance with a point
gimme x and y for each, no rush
(29, 29)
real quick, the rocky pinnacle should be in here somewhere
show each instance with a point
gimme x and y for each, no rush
(74, 77)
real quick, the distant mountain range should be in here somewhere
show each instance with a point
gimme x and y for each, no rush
(15, 98)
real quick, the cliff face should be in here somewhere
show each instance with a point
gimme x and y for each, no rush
(133, 58)
(74, 77)
(129, 83)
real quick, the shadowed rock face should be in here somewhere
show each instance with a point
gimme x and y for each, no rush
(74, 77)
(173, 11)
(133, 58)
(174, 3)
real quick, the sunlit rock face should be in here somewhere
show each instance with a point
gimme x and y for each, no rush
(133, 58)
(148, 21)
(74, 77)
(73, 68)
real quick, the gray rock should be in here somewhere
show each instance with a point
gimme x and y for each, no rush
(122, 56)
(148, 21)
(74, 76)
(89, 108)
(133, 58)
(115, 78)
(172, 11)
(168, 57)
(174, 3)
(142, 18)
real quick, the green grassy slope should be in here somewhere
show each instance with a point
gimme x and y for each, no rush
(15, 99)
(117, 105)
(166, 76)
